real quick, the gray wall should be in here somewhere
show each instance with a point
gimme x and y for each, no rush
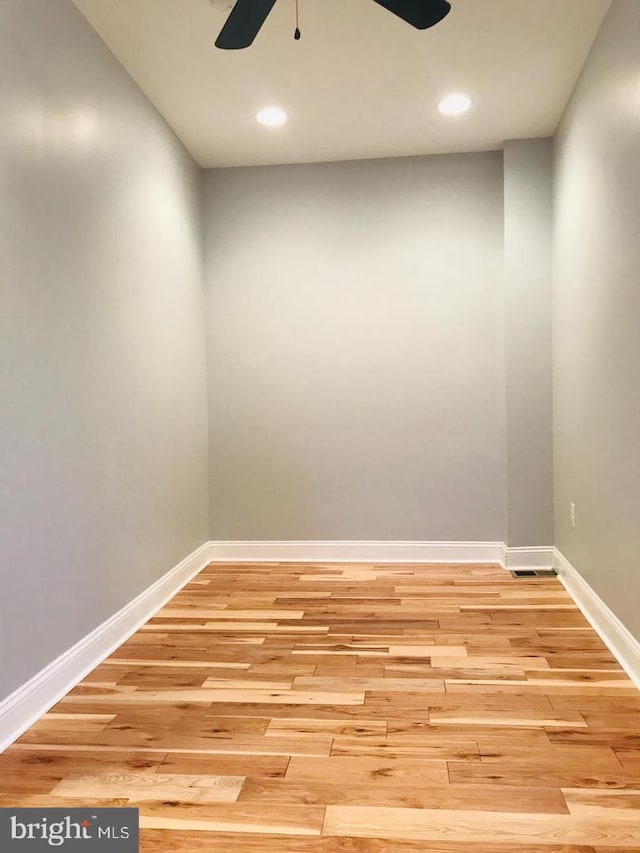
(103, 445)
(597, 318)
(356, 352)
(528, 203)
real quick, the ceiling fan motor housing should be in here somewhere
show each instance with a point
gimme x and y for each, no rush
(248, 16)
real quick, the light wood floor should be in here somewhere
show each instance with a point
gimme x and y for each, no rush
(298, 708)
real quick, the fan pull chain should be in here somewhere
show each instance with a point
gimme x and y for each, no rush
(297, 34)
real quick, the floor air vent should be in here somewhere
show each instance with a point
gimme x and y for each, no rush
(534, 573)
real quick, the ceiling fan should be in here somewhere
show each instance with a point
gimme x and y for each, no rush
(248, 16)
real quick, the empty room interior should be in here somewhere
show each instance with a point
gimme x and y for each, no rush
(320, 426)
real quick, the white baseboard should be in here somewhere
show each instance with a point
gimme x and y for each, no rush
(352, 551)
(34, 698)
(530, 558)
(618, 639)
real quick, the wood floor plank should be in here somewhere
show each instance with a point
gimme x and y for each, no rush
(155, 841)
(429, 685)
(533, 663)
(419, 651)
(150, 787)
(557, 687)
(588, 802)
(629, 758)
(225, 764)
(209, 695)
(480, 827)
(388, 792)
(406, 770)
(231, 626)
(394, 748)
(181, 663)
(619, 740)
(495, 750)
(523, 773)
(407, 731)
(302, 726)
(318, 745)
(227, 613)
(237, 818)
(248, 684)
(73, 722)
(506, 718)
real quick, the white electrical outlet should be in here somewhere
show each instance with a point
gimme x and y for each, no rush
(572, 515)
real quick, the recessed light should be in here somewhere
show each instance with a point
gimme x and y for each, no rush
(272, 116)
(455, 104)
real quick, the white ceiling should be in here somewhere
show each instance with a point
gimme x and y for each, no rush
(360, 83)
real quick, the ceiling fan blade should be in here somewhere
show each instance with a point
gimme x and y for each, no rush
(421, 14)
(243, 24)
